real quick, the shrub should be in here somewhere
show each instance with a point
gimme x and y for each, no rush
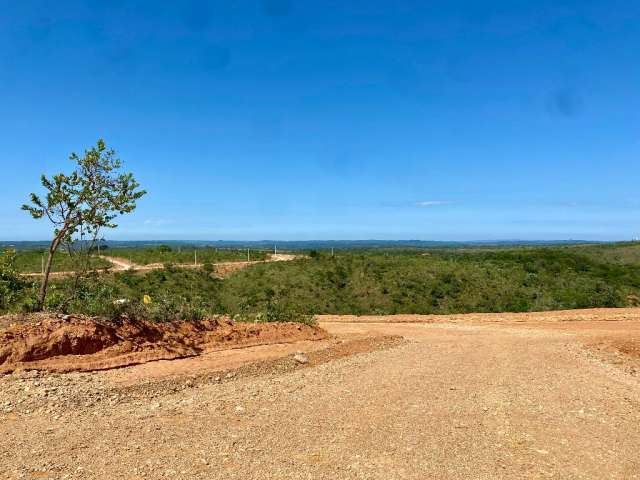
(207, 267)
(276, 312)
(13, 288)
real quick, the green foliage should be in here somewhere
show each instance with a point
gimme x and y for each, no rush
(623, 253)
(208, 268)
(8, 271)
(174, 293)
(10, 283)
(30, 261)
(91, 197)
(82, 203)
(273, 310)
(14, 290)
(441, 282)
(367, 282)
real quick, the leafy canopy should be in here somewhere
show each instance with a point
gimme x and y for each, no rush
(91, 197)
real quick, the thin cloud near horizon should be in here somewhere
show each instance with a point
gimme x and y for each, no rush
(432, 203)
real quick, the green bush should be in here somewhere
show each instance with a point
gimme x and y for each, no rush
(14, 290)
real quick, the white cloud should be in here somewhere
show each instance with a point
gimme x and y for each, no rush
(157, 222)
(431, 203)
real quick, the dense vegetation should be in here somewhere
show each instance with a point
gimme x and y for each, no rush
(438, 282)
(371, 281)
(623, 253)
(13, 288)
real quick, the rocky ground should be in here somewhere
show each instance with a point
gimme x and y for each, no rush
(463, 399)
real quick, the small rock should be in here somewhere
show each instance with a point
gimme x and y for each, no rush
(301, 358)
(239, 409)
(66, 318)
(230, 375)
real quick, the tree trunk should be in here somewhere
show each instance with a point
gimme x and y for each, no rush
(47, 270)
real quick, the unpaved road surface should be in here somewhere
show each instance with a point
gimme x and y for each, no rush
(540, 396)
(119, 264)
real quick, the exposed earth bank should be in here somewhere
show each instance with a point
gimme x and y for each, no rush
(84, 344)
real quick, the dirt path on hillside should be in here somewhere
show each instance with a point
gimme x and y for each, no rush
(546, 396)
(222, 269)
(120, 263)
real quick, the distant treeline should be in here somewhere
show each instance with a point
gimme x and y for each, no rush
(303, 244)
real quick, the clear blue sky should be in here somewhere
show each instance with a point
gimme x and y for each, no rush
(364, 119)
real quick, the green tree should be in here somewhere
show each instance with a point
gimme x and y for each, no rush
(84, 202)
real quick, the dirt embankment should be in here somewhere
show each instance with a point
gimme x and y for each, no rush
(84, 344)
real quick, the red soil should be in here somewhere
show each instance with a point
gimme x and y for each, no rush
(84, 344)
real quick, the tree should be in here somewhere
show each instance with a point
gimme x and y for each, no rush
(84, 202)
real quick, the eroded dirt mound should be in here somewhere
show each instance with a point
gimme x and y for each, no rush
(83, 344)
(629, 347)
(622, 351)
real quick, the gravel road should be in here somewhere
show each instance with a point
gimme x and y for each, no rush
(451, 401)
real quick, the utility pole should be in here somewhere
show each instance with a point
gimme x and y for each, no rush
(275, 250)
(248, 258)
(332, 251)
(195, 257)
(42, 264)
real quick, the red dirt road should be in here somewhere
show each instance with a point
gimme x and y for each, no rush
(541, 396)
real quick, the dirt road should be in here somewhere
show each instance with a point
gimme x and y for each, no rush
(535, 397)
(119, 264)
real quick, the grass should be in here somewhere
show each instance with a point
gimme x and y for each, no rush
(31, 262)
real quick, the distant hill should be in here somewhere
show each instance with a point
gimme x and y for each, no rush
(307, 244)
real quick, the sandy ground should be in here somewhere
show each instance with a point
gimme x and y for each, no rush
(536, 396)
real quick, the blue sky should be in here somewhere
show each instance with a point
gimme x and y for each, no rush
(285, 119)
